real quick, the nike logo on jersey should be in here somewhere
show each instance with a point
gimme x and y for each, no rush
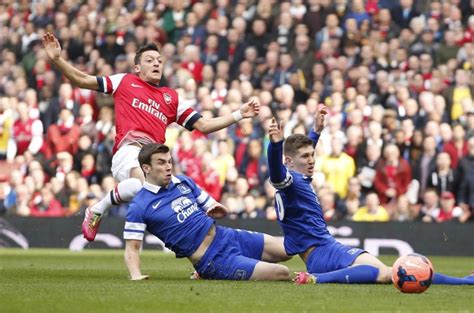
(347, 278)
(155, 206)
(136, 86)
(409, 263)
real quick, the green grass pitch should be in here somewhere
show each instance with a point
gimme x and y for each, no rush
(48, 280)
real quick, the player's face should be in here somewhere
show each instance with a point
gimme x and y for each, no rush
(159, 172)
(302, 161)
(150, 67)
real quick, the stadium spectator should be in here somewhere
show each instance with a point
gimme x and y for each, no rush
(355, 198)
(259, 37)
(45, 205)
(448, 211)
(337, 167)
(372, 211)
(442, 178)
(404, 210)
(404, 13)
(64, 135)
(448, 49)
(331, 29)
(429, 210)
(332, 206)
(392, 176)
(302, 55)
(426, 164)
(27, 131)
(457, 147)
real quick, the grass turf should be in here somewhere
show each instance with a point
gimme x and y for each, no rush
(49, 280)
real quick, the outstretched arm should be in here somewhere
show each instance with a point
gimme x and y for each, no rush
(209, 125)
(319, 118)
(77, 77)
(132, 259)
(278, 172)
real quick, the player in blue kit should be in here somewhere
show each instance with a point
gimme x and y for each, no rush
(178, 212)
(301, 218)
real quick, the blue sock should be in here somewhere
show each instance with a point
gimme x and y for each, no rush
(441, 279)
(360, 274)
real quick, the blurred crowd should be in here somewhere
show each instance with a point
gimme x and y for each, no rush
(396, 76)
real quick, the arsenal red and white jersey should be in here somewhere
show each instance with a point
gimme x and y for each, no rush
(143, 110)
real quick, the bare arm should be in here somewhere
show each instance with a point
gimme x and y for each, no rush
(77, 77)
(209, 125)
(132, 259)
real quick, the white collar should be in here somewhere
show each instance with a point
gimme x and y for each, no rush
(155, 188)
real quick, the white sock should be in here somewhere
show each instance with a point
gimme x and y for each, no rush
(122, 193)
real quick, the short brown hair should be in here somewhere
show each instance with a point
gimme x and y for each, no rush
(146, 152)
(148, 47)
(295, 142)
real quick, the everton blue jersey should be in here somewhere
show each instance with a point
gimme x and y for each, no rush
(175, 214)
(298, 209)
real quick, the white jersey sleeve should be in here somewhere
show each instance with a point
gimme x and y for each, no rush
(109, 84)
(186, 116)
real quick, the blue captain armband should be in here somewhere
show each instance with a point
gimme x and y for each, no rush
(285, 183)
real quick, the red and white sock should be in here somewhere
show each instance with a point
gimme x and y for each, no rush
(122, 193)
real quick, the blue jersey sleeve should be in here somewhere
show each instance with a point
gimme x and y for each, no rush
(135, 224)
(314, 136)
(280, 177)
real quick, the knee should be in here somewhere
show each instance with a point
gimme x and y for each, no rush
(385, 275)
(283, 273)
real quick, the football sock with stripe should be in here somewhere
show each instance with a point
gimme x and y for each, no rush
(122, 193)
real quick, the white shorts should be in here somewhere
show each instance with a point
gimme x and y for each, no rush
(123, 161)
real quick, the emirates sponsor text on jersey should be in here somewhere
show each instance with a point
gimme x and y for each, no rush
(151, 107)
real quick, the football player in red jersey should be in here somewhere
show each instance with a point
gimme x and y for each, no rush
(143, 110)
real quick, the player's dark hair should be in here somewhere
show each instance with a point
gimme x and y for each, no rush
(148, 47)
(295, 142)
(144, 157)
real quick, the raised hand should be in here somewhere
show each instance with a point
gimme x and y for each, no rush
(52, 46)
(217, 211)
(250, 108)
(275, 131)
(319, 118)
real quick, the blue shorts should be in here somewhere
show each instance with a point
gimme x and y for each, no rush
(331, 257)
(232, 255)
